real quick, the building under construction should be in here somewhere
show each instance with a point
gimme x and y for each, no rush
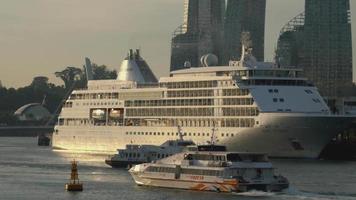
(244, 16)
(200, 34)
(290, 43)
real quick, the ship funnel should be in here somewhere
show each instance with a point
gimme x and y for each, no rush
(138, 53)
(135, 68)
(88, 69)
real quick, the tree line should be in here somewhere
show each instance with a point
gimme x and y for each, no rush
(73, 78)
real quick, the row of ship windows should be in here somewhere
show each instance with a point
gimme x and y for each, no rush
(277, 91)
(245, 111)
(239, 101)
(100, 103)
(202, 172)
(275, 100)
(188, 102)
(190, 93)
(238, 122)
(190, 84)
(262, 73)
(177, 134)
(138, 155)
(170, 112)
(235, 92)
(241, 122)
(249, 111)
(173, 102)
(69, 104)
(276, 82)
(94, 96)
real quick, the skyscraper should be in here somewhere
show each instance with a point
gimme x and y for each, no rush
(244, 16)
(327, 59)
(201, 32)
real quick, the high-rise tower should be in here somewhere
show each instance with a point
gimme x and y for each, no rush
(201, 33)
(327, 59)
(244, 16)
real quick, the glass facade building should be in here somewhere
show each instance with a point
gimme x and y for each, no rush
(244, 16)
(200, 34)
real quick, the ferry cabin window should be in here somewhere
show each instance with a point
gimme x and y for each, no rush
(202, 172)
(205, 157)
(233, 157)
(161, 169)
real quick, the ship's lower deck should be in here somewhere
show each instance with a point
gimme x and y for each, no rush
(277, 135)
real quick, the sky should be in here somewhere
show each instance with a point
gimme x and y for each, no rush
(40, 37)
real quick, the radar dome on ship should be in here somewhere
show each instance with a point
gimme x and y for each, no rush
(209, 60)
(135, 68)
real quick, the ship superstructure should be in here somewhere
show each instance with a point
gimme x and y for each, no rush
(252, 106)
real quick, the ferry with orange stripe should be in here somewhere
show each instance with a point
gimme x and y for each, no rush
(211, 168)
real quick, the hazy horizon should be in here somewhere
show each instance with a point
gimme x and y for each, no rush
(40, 37)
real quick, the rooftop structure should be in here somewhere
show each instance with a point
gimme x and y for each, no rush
(244, 16)
(200, 34)
(290, 42)
(32, 112)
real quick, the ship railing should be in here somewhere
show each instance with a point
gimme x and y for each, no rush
(148, 85)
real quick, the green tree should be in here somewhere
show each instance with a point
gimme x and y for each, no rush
(103, 73)
(69, 76)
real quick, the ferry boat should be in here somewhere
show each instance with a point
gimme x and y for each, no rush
(137, 154)
(211, 171)
(255, 106)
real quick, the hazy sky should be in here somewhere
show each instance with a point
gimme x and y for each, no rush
(40, 37)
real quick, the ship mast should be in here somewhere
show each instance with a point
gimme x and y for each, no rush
(213, 139)
(180, 133)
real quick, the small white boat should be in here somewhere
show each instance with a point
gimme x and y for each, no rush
(211, 171)
(137, 154)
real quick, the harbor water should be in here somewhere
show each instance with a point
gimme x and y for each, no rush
(31, 172)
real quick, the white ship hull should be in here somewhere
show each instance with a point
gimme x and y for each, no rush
(279, 135)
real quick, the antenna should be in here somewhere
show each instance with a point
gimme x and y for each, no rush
(44, 100)
(213, 139)
(180, 133)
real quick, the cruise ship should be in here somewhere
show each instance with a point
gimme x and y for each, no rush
(251, 106)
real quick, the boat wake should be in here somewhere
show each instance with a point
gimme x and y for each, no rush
(255, 193)
(293, 193)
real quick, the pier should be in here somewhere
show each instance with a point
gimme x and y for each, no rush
(25, 131)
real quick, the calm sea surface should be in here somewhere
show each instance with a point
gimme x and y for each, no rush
(31, 172)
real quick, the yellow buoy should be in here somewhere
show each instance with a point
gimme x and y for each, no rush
(74, 184)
